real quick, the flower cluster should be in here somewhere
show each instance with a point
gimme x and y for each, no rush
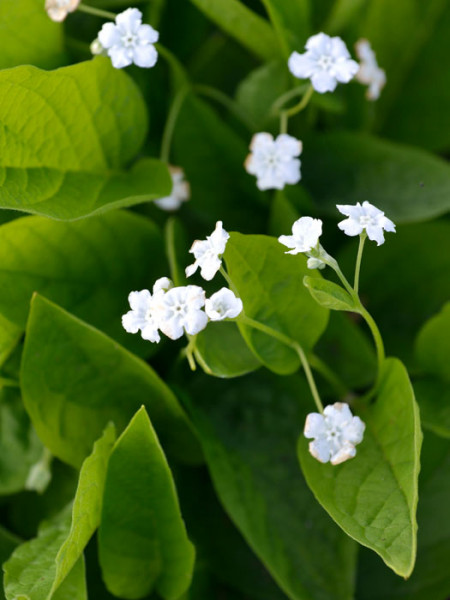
(369, 72)
(336, 432)
(184, 309)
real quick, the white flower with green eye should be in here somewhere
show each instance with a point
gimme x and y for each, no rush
(223, 305)
(128, 41)
(208, 253)
(335, 433)
(326, 63)
(365, 217)
(181, 311)
(306, 232)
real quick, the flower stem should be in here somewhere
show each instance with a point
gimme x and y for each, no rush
(283, 122)
(171, 121)
(284, 339)
(377, 339)
(290, 112)
(229, 281)
(362, 239)
(98, 12)
(189, 352)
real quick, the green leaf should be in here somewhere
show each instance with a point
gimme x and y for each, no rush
(142, 539)
(222, 352)
(329, 294)
(86, 511)
(89, 267)
(80, 379)
(271, 288)
(20, 447)
(29, 36)
(433, 345)
(431, 578)
(373, 497)
(291, 21)
(30, 570)
(95, 123)
(415, 184)
(390, 281)
(10, 335)
(433, 397)
(8, 542)
(248, 28)
(248, 434)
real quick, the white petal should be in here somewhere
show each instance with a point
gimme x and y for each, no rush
(375, 233)
(323, 82)
(388, 225)
(145, 56)
(132, 322)
(194, 296)
(288, 145)
(120, 57)
(320, 43)
(339, 413)
(219, 238)
(210, 267)
(320, 449)
(109, 35)
(288, 241)
(195, 321)
(150, 333)
(314, 425)
(301, 66)
(345, 71)
(162, 284)
(351, 227)
(146, 33)
(169, 203)
(354, 432)
(190, 270)
(140, 301)
(291, 171)
(129, 20)
(173, 327)
(260, 141)
(346, 452)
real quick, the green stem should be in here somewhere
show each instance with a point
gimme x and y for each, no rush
(290, 112)
(232, 106)
(98, 12)
(283, 122)
(286, 97)
(171, 121)
(284, 339)
(229, 281)
(190, 351)
(377, 339)
(362, 239)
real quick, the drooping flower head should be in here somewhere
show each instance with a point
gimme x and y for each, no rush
(326, 62)
(306, 232)
(58, 10)
(146, 311)
(335, 433)
(128, 41)
(274, 161)
(208, 253)
(223, 305)
(369, 72)
(365, 217)
(182, 311)
(180, 191)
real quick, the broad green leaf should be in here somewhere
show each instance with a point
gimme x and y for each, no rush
(415, 184)
(373, 496)
(93, 120)
(291, 21)
(418, 116)
(248, 28)
(222, 352)
(143, 543)
(86, 511)
(29, 36)
(89, 267)
(433, 345)
(329, 294)
(391, 281)
(20, 447)
(10, 335)
(8, 542)
(431, 577)
(271, 287)
(249, 430)
(79, 380)
(433, 397)
(30, 570)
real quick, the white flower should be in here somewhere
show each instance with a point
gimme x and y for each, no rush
(369, 72)
(181, 311)
(180, 191)
(128, 41)
(146, 311)
(58, 10)
(366, 217)
(335, 433)
(274, 162)
(306, 232)
(315, 263)
(326, 62)
(207, 253)
(96, 48)
(223, 305)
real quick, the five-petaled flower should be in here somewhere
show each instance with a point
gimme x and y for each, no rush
(58, 10)
(365, 217)
(129, 41)
(180, 191)
(335, 433)
(182, 311)
(223, 305)
(306, 232)
(146, 311)
(207, 253)
(369, 72)
(326, 62)
(274, 161)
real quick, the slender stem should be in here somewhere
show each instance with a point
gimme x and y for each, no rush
(377, 339)
(302, 104)
(171, 121)
(170, 251)
(284, 339)
(229, 281)
(279, 102)
(283, 122)
(98, 12)
(328, 374)
(309, 376)
(189, 351)
(226, 101)
(362, 239)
